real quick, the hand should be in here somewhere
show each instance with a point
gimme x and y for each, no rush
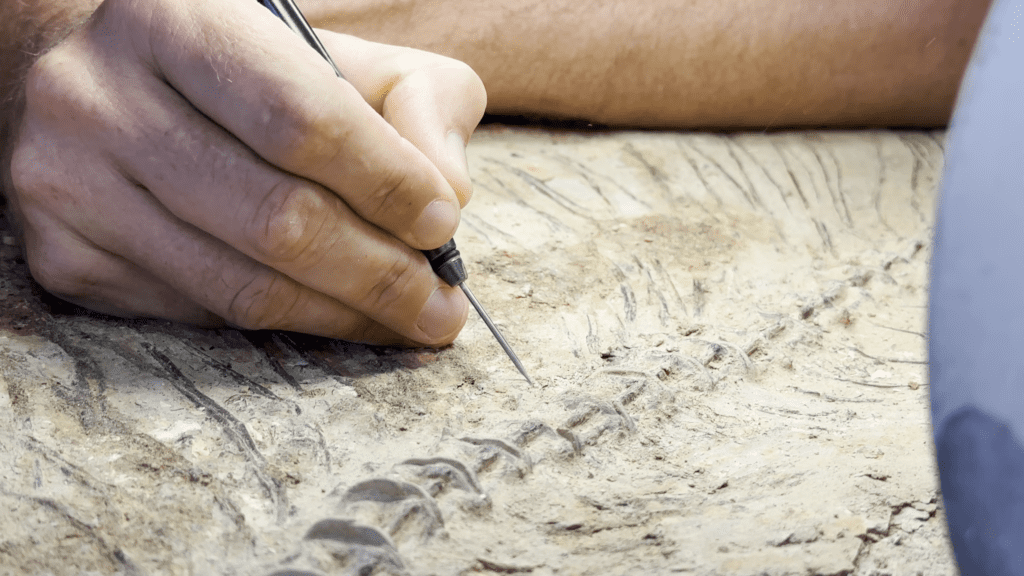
(197, 161)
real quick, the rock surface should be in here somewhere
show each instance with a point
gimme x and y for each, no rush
(727, 333)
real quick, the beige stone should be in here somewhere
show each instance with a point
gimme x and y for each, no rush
(722, 329)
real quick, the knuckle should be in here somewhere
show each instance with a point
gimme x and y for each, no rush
(39, 181)
(263, 303)
(389, 196)
(43, 78)
(289, 225)
(50, 81)
(57, 93)
(46, 99)
(301, 133)
(39, 82)
(471, 87)
(59, 273)
(391, 285)
(459, 80)
(26, 170)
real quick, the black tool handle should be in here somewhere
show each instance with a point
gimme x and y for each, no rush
(447, 263)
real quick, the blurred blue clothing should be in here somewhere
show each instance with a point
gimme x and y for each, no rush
(976, 316)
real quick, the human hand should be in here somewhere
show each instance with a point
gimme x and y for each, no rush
(196, 161)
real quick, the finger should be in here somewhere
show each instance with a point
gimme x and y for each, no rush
(245, 293)
(433, 101)
(247, 71)
(117, 217)
(72, 269)
(286, 223)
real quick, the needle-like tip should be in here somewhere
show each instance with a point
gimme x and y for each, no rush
(497, 335)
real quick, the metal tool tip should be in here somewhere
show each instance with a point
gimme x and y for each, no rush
(497, 335)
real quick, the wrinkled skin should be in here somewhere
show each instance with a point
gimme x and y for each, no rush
(196, 161)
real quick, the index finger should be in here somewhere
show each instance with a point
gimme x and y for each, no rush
(243, 68)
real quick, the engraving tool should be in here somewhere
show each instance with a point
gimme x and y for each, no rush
(446, 260)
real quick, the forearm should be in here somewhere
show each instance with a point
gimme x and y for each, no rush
(702, 63)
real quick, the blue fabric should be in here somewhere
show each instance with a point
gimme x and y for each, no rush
(976, 309)
(982, 468)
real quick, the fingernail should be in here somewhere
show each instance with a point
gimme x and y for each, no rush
(463, 185)
(436, 224)
(443, 314)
